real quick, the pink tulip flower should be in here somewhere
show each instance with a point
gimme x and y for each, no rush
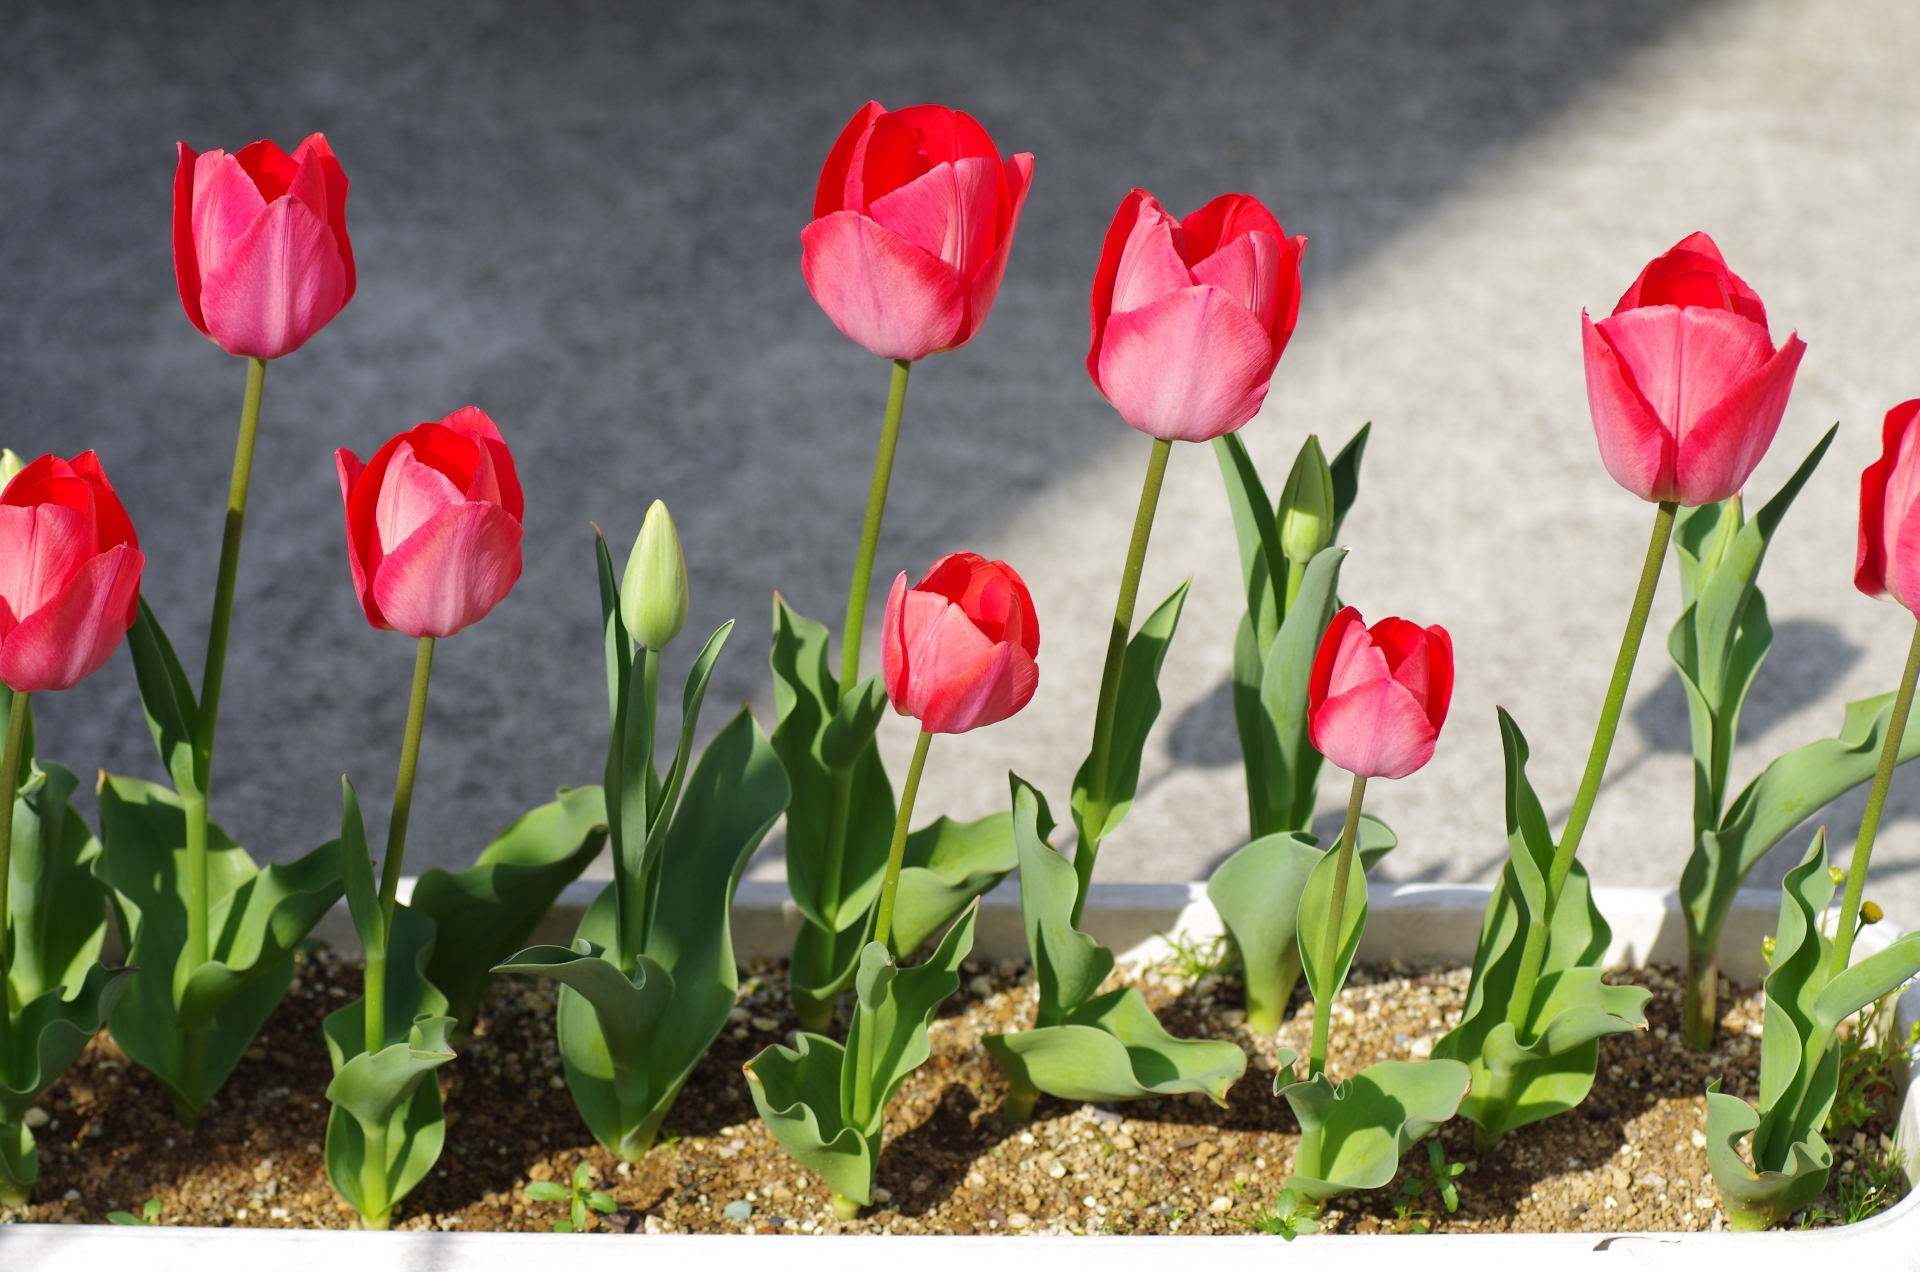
(957, 648)
(260, 246)
(70, 567)
(1888, 562)
(1190, 317)
(1379, 695)
(912, 224)
(1683, 381)
(433, 525)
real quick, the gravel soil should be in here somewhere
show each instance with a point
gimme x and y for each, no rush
(1631, 1158)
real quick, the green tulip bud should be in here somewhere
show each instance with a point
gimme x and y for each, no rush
(10, 466)
(1306, 505)
(653, 596)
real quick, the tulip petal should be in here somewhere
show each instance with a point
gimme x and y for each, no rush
(1189, 367)
(1376, 730)
(1904, 582)
(893, 644)
(186, 262)
(940, 641)
(1636, 449)
(988, 690)
(363, 544)
(72, 636)
(950, 211)
(1357, 661)
(411, 494)
(45, 546)
(1247, 269)
(831, 194)
(276, 284)
(1729, 439)
(1152, 265)
(986, 282)
(891, 297)
(450, 572)
(226, 203)
(1888, 488)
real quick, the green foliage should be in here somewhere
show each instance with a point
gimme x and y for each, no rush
(188, 1025)
(1876, 1182)
(487, 912)
(1288, 1216)
(1288, 607)
(149, 1216)
(1192, 957)
(946, 865)
(827, 1104)
(387, 1127)
(579, 1194)
(1529, 1069)
(1352, 1135)
(1087, 1045)
(1799, 1063)
(1872, 1057)
(1256, 892)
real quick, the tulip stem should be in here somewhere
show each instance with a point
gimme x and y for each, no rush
(1848, 924)
(1336, 919)
(197, 950)
(1093, 821)
(9, 789)
(403, 785)
(896, 854)
(1533, 954)
(870, 527)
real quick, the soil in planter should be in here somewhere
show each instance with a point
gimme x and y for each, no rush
(1631, 1158)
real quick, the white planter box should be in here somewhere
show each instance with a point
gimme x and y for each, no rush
(1407, 921)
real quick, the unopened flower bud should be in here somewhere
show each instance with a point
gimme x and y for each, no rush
(10, 466)
(1306, 505)
(1766, 949)
(653, 596)
(1871, 913)
(1836, 874)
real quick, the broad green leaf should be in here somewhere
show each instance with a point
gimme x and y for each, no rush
(1352, 1135)
(486, 912)
(1258, 537)
(1256, 892)
(834, 891)
(1291, 765)
(356, 870)
(1528, 1070)
(1326, 975)
(1758, 1201)
(852, 728)
(41, 1041)
(173, 714)
(797, 1091)
(1867, 981)
(1097, 813)
(1068, 964)
(1113, 1048)
(58, 915)
(1346, 475)
(947, 864)
(258, 917)
(894, 1005)
(691, 697)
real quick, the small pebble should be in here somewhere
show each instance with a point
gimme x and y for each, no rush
(765, 1024)
(738, 1211)
(1221, 1205)
(37, 1117)
(1019, 1220)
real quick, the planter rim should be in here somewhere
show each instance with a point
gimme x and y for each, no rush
(1405, 920)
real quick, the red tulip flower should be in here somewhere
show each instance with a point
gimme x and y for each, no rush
(433, 525)
(1190, 317)
(1888, 562)
(957, 648)
(912, 223)
(69, 573)
(1683, 381)
(1379, 695)
(260, 245)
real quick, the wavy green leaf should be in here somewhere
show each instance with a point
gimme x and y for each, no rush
(1325, 977)
(1068, 964)
(946, 865)
(1352, 1135)
(166, 695)
(42, 1040)
(1098, 813)
(1114, 1048)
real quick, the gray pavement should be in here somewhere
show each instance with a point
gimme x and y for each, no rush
(585, 218)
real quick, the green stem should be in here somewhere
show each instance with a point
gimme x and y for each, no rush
(870, 527)
(198, 922)
(1296, 574)
(1849, 921)
(1533, 954)
(373, 1180)
(649, 869)
(1336, 918)
(1109, 703)
(403, 785)
(890, 884)
(9, 789)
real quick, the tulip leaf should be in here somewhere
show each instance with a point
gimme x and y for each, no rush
(825, 1112)
(1352, 1135)
(43, 1038)
(1528, 1070)
(166, 695)
(1097, 813)
(258, 917)
(1256, 892)
(947, 864)
(56, 909)
(1068, 965)
(1756, 1201)
(1258, 535)
(1289, 765)
(834, 891)
(629, 1041)
(1325, 976)
(852, 728)
(387, 1127)
(486, 912)
(1346, 475)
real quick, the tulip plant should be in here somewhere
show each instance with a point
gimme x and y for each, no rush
(1290, 570)
(263, 261)
(650, 978)
(957, 652)
(914, 219)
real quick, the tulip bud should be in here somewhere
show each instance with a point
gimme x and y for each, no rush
(10, 466)
(1306, 504)
(653, 596)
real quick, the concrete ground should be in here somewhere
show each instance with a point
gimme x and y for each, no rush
(585, 219)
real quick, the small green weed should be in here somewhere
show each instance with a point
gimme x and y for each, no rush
(1869, 1056)
(1287, 1217)
(1194, 957)
(149, 1216)
(580, 1195)
(1876, 1182)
